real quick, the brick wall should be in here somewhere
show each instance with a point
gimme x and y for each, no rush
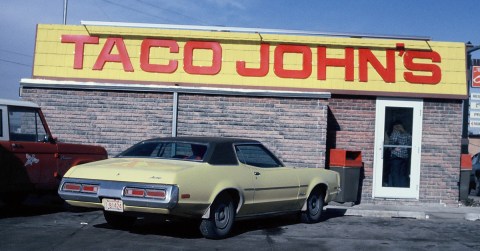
(441, 145)
(351, 126)
(114, 120)
(294, 129)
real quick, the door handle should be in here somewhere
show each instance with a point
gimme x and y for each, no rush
(16, 145)
(256, 173)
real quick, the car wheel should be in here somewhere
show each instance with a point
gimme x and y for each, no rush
(315, 203)
(222, 215)
(119, 220)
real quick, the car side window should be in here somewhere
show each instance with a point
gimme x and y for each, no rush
(256, 155)
(26, 125)
(475, 159)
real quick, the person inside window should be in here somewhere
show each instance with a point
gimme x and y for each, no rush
(399, 156)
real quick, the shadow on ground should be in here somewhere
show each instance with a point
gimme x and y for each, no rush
(37, 204)
(189, 229)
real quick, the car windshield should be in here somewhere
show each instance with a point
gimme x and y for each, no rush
(167, 150)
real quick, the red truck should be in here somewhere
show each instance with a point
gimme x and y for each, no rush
(31, 160)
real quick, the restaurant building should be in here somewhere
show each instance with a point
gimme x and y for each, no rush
(300, 93)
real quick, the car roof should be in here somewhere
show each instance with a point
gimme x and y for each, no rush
(205, 140)
(220, 151)
(12, 102)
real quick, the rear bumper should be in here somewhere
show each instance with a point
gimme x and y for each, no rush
(114, 190)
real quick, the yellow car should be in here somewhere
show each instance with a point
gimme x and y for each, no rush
(217, 180)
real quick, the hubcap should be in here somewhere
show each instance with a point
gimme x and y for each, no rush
(314, 206)
(222, 217)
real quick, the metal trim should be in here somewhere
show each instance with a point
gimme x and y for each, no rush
(249, 30)
(55, 84)
(114, 189)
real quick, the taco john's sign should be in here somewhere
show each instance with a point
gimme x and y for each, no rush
(338, 65)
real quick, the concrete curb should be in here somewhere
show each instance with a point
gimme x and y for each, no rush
(413, 213)
(472, 216)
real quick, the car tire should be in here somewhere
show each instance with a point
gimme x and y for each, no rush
(315, 203)
(119, 220)
(220, 221)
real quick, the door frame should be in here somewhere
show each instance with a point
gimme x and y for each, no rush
(4, 123)
(412, 192)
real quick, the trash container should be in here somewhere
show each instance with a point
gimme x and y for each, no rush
(465, 172)
(348, 164)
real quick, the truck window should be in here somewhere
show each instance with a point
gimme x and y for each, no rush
(25, 125)
(1, 123)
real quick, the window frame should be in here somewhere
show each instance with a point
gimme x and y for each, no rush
(37, 120)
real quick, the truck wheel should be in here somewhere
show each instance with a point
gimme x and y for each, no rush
(119, 220)
(315, 203)
(220, 222)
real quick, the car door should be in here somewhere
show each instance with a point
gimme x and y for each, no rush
(275, 186)
(37, 156)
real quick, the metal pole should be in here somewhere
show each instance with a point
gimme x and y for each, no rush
(175, 114)
(65, 3)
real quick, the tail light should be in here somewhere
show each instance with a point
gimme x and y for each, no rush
(159, 194)
(72, 187)
(89, 188)
(156, 194)
(134, 192)
(80, 188)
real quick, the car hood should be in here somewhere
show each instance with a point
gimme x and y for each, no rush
(143, 170)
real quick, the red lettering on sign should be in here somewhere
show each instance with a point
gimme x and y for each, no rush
(242, 70)
(145, 64)
(475, 76)
(216, 66)
(420, 67)
(366, 57)
(106, 56)
(434, 70)
(80, 41)
(346, 62)
(279, 66)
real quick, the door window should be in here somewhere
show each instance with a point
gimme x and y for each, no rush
(397, 147)
(26, 125)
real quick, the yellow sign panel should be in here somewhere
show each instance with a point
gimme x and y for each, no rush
(243, 60)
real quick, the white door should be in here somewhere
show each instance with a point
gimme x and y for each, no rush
(398, 137)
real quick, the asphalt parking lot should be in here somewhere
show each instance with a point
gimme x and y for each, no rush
(48, 224)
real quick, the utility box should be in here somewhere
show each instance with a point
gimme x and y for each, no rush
(348, 164)
(465, 172)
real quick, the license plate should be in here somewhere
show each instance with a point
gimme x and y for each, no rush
(115, 205)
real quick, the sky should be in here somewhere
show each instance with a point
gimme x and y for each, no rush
(441, 20)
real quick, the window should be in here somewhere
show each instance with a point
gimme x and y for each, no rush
(256, 155)
(167, 150)
(26, 125)
(1, 123)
